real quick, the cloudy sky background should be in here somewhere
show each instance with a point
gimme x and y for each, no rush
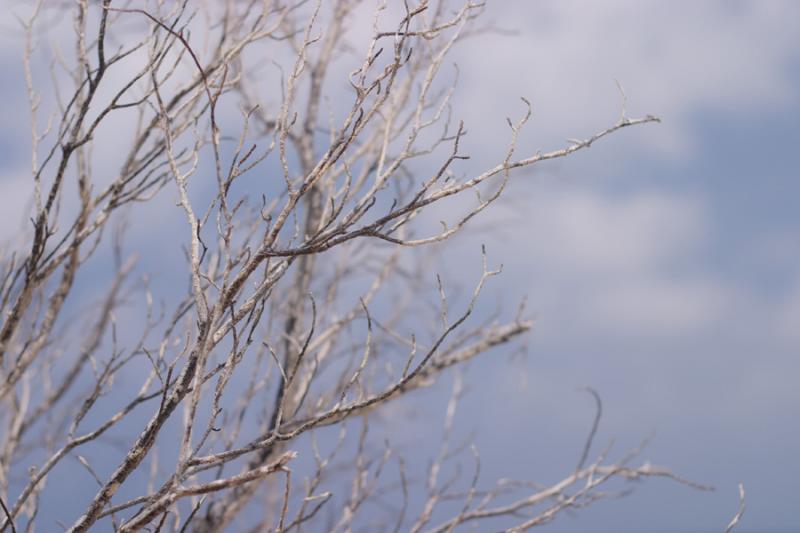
(662, 265)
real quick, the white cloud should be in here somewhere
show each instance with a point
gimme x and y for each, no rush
(652, 305)
(673, 58)
(618, 264)
(16, 195)
(591, 233)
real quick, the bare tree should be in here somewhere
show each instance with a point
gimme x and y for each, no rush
(307, 151)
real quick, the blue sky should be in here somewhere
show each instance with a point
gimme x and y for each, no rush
(662, 266)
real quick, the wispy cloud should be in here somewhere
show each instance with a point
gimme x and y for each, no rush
(673, 58)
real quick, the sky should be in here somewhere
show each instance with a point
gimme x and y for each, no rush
(661, 266)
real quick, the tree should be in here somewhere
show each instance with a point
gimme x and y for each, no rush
(306, 164)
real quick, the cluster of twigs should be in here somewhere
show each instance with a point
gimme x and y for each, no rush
(271, 343)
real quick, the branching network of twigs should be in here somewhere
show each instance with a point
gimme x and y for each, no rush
(300, 214)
